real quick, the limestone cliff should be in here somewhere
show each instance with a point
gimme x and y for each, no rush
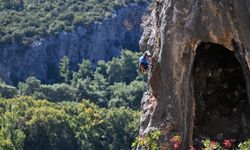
(199, 75)
(98, 41)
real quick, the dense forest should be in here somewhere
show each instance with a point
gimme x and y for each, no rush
(92, 108)
(22, 21)
(38, 124)
(110, 84)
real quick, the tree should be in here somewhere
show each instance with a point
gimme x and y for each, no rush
(127, 95)
(137, 88)
(56, 92)
(84, 71)
(129, 63)
(11, 138)
(48, 127)
(31, 85)
(13, 4)
(7, 91)
(123, 69)
(82, 88)
(124, 127)
(98, 91)
(102, 68)
(120, 95)
(39, 124)
(65, 69)
(114, 71)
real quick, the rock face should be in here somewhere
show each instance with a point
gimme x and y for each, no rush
(99, 41)
(199, 75)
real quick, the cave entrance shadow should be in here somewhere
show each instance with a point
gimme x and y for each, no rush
(220, 94)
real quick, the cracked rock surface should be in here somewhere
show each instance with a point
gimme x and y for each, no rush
(184, 84)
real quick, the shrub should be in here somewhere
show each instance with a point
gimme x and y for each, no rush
(149, 141)
(56, 92)
(7, 91)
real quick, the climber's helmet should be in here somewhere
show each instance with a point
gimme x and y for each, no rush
(147, 53)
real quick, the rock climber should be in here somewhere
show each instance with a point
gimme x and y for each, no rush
(144, 62)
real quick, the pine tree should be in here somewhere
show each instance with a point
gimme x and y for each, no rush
(65, 69)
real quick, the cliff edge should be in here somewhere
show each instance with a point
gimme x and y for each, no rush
(199, 79)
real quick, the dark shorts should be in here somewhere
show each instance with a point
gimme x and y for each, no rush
(145, 65)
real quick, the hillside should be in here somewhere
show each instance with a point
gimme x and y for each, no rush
(91, 108)
(23, 21)
(115, 83)
(38, 53)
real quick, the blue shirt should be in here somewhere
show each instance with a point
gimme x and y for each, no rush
(143, 60)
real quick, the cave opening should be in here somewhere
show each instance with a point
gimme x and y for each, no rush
(219, 92)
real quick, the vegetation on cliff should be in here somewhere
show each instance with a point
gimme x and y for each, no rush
(38, 124)
(110, 84)
(22, 21)
(89, 109)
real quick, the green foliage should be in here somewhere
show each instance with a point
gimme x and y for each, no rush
(98, 90)
(38, 124)
(82, 88)
(95, 89)
(122, 136)
(89, 83)
(48, 128)
(31, 85)
(127, 95)
(226, 145)
(245, 145)
(113, 84)
(65, 69)
(84, 71)
(125, 89)
(211, 145)
(123, 69)
(102, 68)
(7, 91)
(11, 138)
(12, 4)
(55, 93)
(149, 141)
(32, 19)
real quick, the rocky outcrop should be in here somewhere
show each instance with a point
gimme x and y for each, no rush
(98, 41)
(200, 47)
